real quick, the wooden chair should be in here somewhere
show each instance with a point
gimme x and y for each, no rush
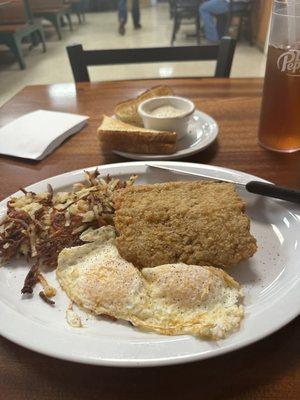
(53, 11)
(15, 26)
(77, 7)
(80, 59)
(185, 12)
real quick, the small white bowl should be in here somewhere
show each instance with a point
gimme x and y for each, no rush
(178, 123)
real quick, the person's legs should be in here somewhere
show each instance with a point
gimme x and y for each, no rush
(207, 11)
(122, 10)
(136, 13)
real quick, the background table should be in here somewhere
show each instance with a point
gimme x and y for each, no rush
(269, 369)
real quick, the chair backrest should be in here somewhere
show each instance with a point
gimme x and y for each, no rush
(46, 4)
(13, 13)
(186, 3)
(72, 2)
(186, 6)
(80, 59)
(241, 6)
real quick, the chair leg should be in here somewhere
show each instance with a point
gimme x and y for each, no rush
(176, 26)
(171, 6)
(55, 21)
(222, 25)
(15, 45)
(228, 24)
(198, 28)
(34, 39)
(173, 33)
(250, 30)
(239, 32)
(69, 21)
(79, 17)
(41, 34)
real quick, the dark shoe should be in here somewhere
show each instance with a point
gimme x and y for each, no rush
(122, 28)
(137, 26)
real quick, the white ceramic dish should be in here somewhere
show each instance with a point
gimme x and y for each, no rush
(178, 123)
(202, 131)
(271, 282)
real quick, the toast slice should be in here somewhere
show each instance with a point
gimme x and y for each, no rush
(117, 135)
(127, 111)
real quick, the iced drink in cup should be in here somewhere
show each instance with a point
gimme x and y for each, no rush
(280, 114)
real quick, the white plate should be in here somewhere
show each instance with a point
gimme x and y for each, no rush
(202, 131)
(271, 282)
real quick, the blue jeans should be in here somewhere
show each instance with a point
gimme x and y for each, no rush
(135, 12)
(208, 10)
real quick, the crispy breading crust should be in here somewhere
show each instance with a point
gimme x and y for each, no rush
(201, 223)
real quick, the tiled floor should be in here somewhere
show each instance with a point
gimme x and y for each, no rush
(100, 31)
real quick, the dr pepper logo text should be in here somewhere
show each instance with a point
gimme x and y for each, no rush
(289, 62)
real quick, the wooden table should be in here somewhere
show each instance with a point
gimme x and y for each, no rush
(269, 369)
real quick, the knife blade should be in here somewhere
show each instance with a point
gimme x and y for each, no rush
(256, 187)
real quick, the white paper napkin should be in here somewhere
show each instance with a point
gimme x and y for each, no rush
(37, 134)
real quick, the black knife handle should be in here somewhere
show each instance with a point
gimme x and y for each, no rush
(267, 189)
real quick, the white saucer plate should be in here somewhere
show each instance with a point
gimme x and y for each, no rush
(202, 131)
(271, 282)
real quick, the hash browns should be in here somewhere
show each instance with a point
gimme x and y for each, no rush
(200, 223)
(39, 226)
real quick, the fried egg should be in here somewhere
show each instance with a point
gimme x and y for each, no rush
(168, 299)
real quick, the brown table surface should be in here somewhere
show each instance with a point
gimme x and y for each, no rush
(269, 369)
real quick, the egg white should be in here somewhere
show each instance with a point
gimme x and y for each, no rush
(169, 299)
